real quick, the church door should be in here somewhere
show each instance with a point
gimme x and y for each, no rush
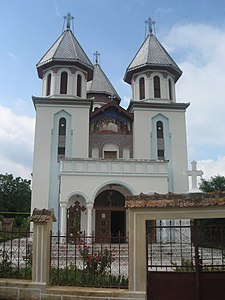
(110, 220)
(103, 225)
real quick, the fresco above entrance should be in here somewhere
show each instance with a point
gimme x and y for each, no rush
(110, 122)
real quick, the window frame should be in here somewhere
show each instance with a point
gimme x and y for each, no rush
(63, 83)
(157, 88)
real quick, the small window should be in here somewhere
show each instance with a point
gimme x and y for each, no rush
(170, 89)
(110, 154)
(160, 140)
(63, 83)
(159, 129)
(142, 88)
(62, 138)
(157, 93)
(49, 79)
(79, 82)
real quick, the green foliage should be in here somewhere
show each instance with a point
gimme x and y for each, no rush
(18, 221)
(8, 270)
(5, 264)
(15, 194)
(73, 276)
(186, 266)
(97, 262)
(94, 272)
(214, 184)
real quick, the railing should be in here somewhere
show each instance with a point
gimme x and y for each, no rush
(80, 261)
(183, 248)
(16, 254)
(122, 167)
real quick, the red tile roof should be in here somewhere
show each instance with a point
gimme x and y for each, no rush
(175, 200)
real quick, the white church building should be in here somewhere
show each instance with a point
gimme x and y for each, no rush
(90, 152)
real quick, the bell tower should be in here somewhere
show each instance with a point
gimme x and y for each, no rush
(65, 68)
(159, 130)
(62, 115)
(152, 73)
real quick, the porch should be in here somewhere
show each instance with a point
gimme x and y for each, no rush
(99, 186)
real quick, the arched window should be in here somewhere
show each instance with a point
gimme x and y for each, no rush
(62, 138)
(79, 82)
(157, 93)
(142, 88)
(170, 89)
(160, 140)
(63, 83)
(49, 79)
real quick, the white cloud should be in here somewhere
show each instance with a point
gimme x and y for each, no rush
(199, 49)
(16, 138)
(212, 167)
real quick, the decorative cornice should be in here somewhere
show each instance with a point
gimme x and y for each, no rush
(57, 101)
(142, 104)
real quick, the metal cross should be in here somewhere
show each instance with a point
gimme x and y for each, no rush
(97, 55)
(150, 24)
(111, 97)
(68, 19)
(78, 207)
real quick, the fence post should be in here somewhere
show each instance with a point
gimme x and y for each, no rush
(42, 219)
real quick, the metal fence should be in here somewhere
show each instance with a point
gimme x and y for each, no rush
(82, 261)
(177, 246)
(16, 254)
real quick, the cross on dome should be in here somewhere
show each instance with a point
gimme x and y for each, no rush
(97, 55)
(68, 19)
(150, 24)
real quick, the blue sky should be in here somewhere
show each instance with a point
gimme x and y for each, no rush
(192, 31)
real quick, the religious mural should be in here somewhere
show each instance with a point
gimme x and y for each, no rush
(110, 122)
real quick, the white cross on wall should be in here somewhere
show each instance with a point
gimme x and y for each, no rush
(194, 174)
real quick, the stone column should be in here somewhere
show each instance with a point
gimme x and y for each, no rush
(42, 227)
(89, 218)
(63, 217)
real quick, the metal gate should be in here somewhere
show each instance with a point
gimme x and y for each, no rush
(186, 260)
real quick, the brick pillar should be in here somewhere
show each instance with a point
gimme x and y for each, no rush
(42, 227)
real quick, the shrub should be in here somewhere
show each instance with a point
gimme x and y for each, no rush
(98, 262)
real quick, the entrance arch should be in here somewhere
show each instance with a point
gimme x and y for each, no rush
(110, 215)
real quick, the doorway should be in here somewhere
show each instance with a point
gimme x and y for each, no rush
(110, 217)
(110, 225)
(117, 223)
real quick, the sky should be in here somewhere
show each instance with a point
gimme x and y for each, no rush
(193, 32)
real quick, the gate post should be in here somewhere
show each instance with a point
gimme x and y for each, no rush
(42, 219)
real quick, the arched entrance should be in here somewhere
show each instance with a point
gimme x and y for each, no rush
(110, 216)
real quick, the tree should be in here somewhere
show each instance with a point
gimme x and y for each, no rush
(213, 228)
(15, 194)
(214, 184)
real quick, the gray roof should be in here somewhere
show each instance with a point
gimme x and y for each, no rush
(67, 50)
(152, 55)
(101, 84)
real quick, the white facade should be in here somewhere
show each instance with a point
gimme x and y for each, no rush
(86, 161)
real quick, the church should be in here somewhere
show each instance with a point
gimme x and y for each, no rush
(90, 152)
